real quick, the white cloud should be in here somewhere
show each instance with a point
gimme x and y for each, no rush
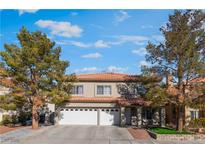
(101, 44)
(60, 28)
(92, 55)
(139, 40)
(121, 39)
(86, 70)
(140, 51)
(74, 43)
(73, 14)
(121, 16)
(97, 26)
(21, 12)
(147, 26)
(61, 42)
(97, 44)
(159, 38)
(143, 62)
(111, 68)
(116, 69)
(80, 44)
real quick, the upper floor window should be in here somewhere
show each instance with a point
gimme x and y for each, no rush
(103, 90)
(77, 90)
(194, 114)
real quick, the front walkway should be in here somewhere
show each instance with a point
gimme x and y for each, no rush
(139, 134)
(79, 135)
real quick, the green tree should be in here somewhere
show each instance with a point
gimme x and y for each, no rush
(36, 72)
(181, 54)
(155, 90)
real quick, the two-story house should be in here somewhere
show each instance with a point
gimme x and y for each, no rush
(104, 99)
(97, 100)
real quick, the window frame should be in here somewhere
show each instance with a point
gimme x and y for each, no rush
(103, 90)
(194, 114)
(76, 94)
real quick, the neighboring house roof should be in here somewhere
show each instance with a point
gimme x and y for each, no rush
(119, 100)
(174, 91)
(110, 77)
(6, 82)
(198, 80)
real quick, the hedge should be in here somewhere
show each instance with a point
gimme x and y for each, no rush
(197, 123)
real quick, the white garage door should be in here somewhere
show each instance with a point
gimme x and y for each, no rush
(109, 116)
(78, 117)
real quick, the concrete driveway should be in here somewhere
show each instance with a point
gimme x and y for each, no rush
(81, 135)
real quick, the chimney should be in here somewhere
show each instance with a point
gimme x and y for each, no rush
(169, 80)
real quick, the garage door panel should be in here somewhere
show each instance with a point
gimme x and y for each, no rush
(109, 117)
(106, 116)
(79, 117)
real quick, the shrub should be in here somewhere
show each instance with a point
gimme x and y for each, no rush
(197, 123)
(10, 106)
(9, 119)
(23, 117)
(14, 119)
(6, 119)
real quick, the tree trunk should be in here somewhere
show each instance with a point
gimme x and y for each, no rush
(180, 119)
(35, 116)
(180, 98)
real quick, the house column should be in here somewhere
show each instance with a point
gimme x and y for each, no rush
(162, 116)
(122, 117)
(169, 115)
(139, 116)
(156, 117)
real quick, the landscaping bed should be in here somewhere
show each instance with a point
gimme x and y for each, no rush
(170, 134)
(160, 130)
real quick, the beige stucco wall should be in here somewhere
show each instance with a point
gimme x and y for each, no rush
(3, 90)
(90, 88)
(188, 112)
(92, 105)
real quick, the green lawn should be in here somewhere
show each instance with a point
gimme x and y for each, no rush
(166, 131)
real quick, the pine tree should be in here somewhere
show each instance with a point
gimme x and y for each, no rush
(36, 72)
(181, 54)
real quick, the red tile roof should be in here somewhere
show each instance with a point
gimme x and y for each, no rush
(133, 101)
(119, 100)
(93, 99)
(6, 82)
(198, 80)
(107, 77)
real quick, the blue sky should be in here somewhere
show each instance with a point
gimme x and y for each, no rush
(92, 40)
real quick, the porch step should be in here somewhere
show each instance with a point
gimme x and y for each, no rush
(139, 133)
